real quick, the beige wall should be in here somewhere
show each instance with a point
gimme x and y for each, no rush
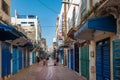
(30, 32)
(5, 16)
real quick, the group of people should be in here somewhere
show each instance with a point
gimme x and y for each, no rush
(45, 60)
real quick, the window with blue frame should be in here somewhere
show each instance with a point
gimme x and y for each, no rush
(83, 7)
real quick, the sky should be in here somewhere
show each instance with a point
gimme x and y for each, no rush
(46, 10)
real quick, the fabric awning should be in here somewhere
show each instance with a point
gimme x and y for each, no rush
(7, 33)
(106, 24)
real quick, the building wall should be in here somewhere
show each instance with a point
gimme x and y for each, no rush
(92, 60)
(5, 16)
(43, 43)
(0, 59)
(33, 29)
(72, 15)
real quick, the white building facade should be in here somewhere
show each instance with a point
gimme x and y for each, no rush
(30, 24)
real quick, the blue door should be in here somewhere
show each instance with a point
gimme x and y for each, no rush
(28, 57)
(15, 59)
(6, 57)
(76, 51)
(33, 57)
(62, 57)
(20, 58)
(103, 60)
(116, 59)
(99, 62)
(24, 58)
(68, 61)
(72, 59)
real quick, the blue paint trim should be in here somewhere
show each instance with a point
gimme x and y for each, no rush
(6, 28)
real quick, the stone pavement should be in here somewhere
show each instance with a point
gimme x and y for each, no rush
(50, 72)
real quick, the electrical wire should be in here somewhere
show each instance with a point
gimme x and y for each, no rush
(47, 7)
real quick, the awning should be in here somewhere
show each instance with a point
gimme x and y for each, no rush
(7, 33)
(28, 44)
(71, 32)
(64, 46)
(106, 24)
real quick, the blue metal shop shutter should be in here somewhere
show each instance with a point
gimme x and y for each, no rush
(68, 59)
(33, 57)
(99, 62)
(116, 59)
(106, 60)
(72, 59)
(28, 57)
(20, 58)
(6, 64)
(15, 59)
(76, 51)
(103, 60)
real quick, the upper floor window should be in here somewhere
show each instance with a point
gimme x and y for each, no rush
(73, 18)
(23, 22)
(31, 23)
(83, 7)
(5, 7)
(22, 16)
(31, 16)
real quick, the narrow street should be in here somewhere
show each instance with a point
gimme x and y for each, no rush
(50, 72)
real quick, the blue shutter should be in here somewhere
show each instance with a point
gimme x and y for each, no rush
(6, 64)
(116, 59)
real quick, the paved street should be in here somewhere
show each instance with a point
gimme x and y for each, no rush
(50, 72)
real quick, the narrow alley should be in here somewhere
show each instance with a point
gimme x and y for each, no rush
(59, 39)
(50, 72)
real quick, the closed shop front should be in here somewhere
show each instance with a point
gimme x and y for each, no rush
(6, 57)
(33, 57)
(72, 59)
(20, 58)
(76, 52)
(15, 59)
(62, 57)
(103, 60)
(69, 59)
(28, 57)
(116, 59)
(24, 58)
(85, 61)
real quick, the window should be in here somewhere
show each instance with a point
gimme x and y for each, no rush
(5, 7)
(31, 23)
(84, 5)
(31, 16)
(23, 22)
(73, 18)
